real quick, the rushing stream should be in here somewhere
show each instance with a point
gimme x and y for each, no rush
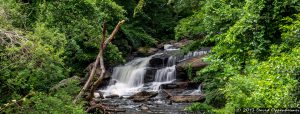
(128, 79)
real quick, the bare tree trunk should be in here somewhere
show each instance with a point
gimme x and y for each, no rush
(99, 58)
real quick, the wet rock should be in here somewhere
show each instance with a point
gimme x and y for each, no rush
(142, 96)
(196, 63)
(180, 85)
(150, 75)
(145, 51)
(112, 96)
(159, 60)
(169, 86)
(187, 98)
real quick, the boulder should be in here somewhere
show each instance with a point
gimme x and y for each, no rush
(187, 98)
(195, 63)
(159, 60)
(150, 75)
(142, 96)
(145, 51)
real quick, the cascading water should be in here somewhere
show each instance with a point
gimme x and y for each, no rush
(194, 54)
(128, 78)
(165, 75)
(148, 74)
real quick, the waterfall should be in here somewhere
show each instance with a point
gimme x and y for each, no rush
(165, 75)
(129, 78)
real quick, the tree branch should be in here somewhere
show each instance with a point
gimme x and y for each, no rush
(98, 60)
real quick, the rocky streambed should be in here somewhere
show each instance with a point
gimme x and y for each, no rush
(157, 83)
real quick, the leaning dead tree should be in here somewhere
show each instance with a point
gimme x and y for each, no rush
(90, 86)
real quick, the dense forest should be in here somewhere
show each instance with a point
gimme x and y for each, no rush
(254, 61)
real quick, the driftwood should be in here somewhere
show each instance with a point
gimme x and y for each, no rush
(93, 85)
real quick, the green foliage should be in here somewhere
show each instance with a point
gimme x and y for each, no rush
(56, 38)
(200, 106)
(59, 101)
(36, 63)
(189, 71)
(190, 26)
(185, 7)
(211, 18)
(109, 10)
(271, 85)
(137, 36)
(158, 23)
(80, 22)
(113, 56)
(12, 14)
(254, 62)
(139, 7)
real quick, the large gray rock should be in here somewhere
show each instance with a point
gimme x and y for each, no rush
(196, 63)
(150, 75)
(159, 60)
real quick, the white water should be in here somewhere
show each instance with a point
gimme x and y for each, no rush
(165, 75)
(198, 91)
(128, 79)
(194, 54)
(169, 47)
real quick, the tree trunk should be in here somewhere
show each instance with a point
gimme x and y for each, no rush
(99, 59)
